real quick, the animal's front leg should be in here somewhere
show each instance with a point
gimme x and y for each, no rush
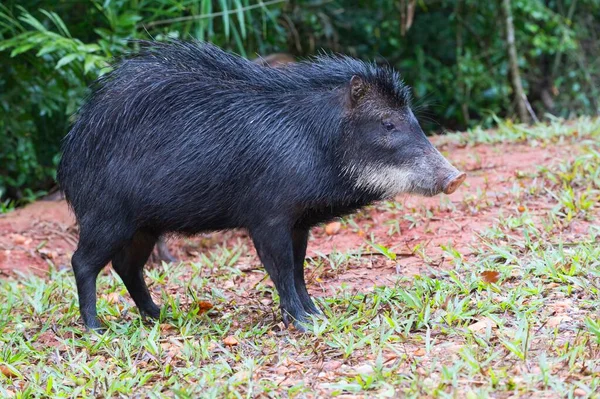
(274, 245)
(300, 241)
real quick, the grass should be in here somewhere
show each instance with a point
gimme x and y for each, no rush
(532, 330)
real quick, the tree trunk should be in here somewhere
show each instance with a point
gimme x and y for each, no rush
(520, 96)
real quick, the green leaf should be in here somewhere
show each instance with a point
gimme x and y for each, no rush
(34, 23)
(22, 49)
(225, 17)
(241, 17)
(62, 28)
(89, 63)
(65, 60)
(384, 251)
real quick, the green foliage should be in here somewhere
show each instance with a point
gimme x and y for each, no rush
(454, 56)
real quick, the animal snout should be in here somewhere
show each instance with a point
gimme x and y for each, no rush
(454, 182)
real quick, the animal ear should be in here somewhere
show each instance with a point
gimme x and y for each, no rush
(358, 88)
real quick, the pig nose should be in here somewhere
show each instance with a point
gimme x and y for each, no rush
(454, 182)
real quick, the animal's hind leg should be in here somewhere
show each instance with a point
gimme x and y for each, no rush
(94, 250)
(129, 264)
(162, 252)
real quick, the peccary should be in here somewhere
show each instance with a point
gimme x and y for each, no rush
(184, 137)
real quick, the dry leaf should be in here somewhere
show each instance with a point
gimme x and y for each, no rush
(420, 352)
(166, 328)
(19, 239)
(561, 306)
(242, 375)
(364, 369)
(482, 325)
(6, 371)
(390, 356)
(332, 365)
(490, 276)
(47, 254)
(556, 320)
(113, 297)
(47, 338)
(230, 341)
(333, 228)
(205, 306)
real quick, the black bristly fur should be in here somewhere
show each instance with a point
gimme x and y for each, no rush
(184, 137)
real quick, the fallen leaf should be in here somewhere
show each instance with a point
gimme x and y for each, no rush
(390, 356)
(47, 338)
(113, 297)
(19, 239)
(166, 328)
(47, 254)
(205, 306)
(230, 341)
(447, 301)
(482, 325)
(242, 375)
(332, 365)
(556, 320)
(7, 371)
(333, 228)
(364, 369)
(419, 352)
(561, 306)
(490, 276)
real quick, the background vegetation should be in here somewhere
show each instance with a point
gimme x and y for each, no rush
(452, 52)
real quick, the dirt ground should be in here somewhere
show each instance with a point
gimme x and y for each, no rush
(45, 232)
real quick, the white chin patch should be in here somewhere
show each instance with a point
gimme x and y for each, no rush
(388, 180)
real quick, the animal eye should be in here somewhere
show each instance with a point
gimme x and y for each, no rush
(389, 126)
